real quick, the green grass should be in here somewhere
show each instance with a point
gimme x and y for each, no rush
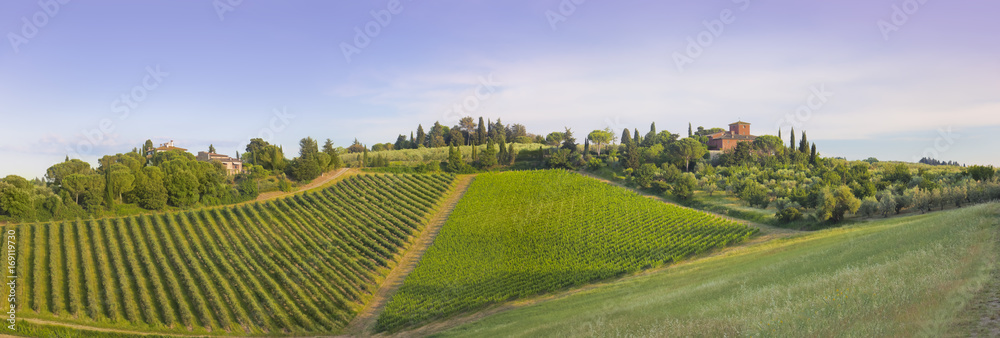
(908, 276)
(410, 157)
(520, 234)
(304, 264)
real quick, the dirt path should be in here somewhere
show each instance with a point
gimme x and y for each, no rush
(767, 233)
(362, 324)
(764, 228)
(326, 177)
(99, 329)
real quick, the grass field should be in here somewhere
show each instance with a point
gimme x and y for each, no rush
(520, 234)
(302, 264)
(418, 156)
(920, 275)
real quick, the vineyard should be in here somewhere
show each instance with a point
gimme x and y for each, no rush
(302, 264)
(520, 234)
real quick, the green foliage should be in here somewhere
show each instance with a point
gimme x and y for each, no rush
(688, 149)
(756, 195)
(887, 203)
(304, 169)
(300, 265)
(683, 187)
(488, 158)
(600, 138)
(769, 145)
(555, 229)
(832, 204)
(899, 173)
(524, 140)
(980, 173)
(878, 279)
(182, 189)
(150, 191)
(285, 186)
(56, 173)
(788, 214)
(560, 159)
(14, 200)
(869, 207)
(569, 142)
(455, 162)
(644, 175)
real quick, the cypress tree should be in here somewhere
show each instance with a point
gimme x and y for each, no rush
(586, 146)
(481, 132)
(637, 139)
(632, 156)
(792, 143)
(455, 162)
(812, 156)
(421, 137)
(689, 130)
(626, 137)
(779, 134)
(511, 153)
(502, 153)
(804, 144)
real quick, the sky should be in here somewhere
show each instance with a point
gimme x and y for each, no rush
(895, 80)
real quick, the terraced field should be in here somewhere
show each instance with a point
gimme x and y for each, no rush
(302, 264)
(521, 234)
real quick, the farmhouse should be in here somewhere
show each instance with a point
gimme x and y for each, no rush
(738, 132)
(163, 147)
(232, 165)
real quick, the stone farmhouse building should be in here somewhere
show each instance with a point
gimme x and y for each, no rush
(232, 165)
(738, 132)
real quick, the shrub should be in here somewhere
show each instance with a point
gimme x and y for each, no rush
(788, 214)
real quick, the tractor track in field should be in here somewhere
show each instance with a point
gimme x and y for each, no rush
(363, 323)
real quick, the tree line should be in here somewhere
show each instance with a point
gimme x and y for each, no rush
(130, 182)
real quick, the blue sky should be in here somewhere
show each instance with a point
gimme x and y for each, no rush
(923, 82)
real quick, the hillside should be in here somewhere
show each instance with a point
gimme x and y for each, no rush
(520, 234)
(924, 275)
(304, 264)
